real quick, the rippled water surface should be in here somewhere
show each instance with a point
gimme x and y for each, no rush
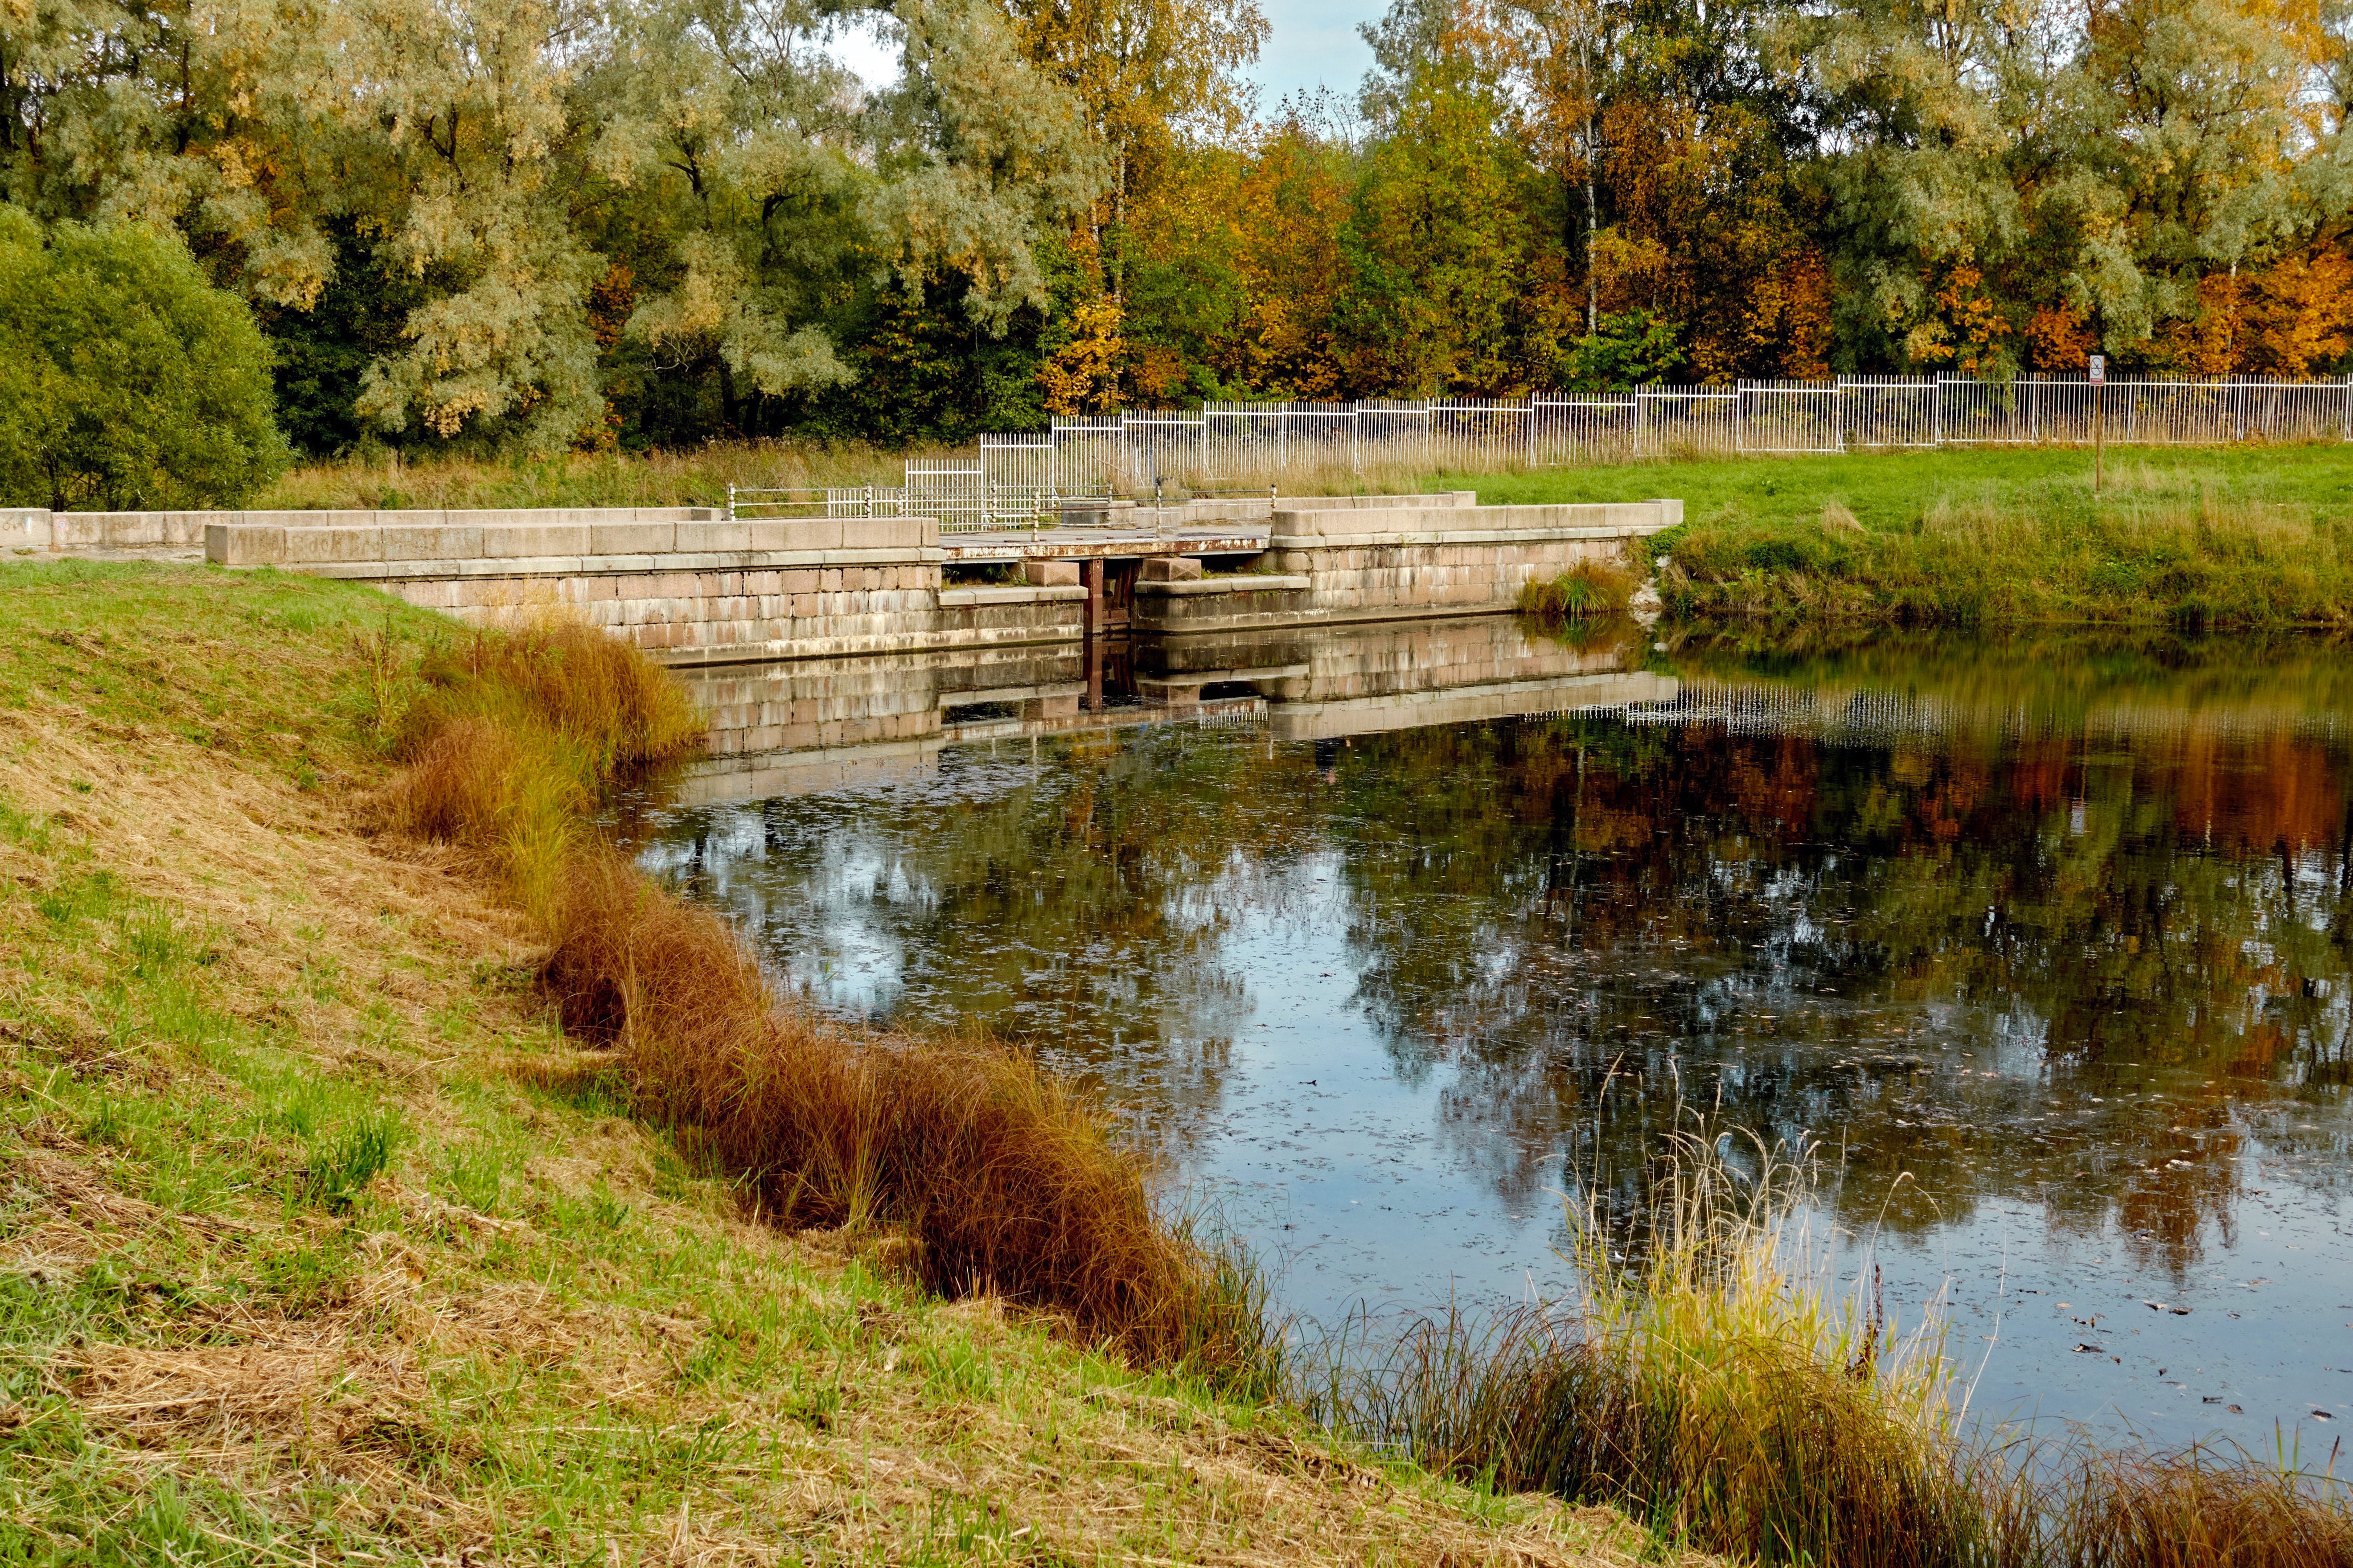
(1395, 943)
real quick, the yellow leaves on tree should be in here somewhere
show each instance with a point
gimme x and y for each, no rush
(2058, 339)
(1787, 322)
(1084, 377)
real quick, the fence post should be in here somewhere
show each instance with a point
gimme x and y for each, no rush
(1936, 414)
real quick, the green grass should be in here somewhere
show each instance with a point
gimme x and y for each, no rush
(2194, 537)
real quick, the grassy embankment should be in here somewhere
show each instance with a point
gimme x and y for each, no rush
(322, 1241)
(2233, 537)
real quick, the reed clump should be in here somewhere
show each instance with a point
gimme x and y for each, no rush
(2199, 1508)
(1715, 1388)
(1586, 591)
(518, 736)
(998, 1176)
(1722, 1388)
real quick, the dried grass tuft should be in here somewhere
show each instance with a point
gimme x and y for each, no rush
(1587, 590)
(1006, 1179)
(519, 735)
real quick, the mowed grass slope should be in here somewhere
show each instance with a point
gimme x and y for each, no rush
(319, 1242)
(2189, 537)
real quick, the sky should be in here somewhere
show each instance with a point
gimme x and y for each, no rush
(1310, 44)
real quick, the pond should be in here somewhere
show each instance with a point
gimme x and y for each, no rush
(1401, 939)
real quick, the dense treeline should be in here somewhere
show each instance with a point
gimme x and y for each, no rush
(564, 223)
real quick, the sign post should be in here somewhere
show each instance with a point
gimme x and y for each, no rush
(2097, 373)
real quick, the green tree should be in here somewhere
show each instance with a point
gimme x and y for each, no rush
(126, 380)
(1440, 238)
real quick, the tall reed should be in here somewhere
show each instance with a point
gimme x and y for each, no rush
(1719, 1387)
(518, 736)
(1721, 1384)
(1003, 1177)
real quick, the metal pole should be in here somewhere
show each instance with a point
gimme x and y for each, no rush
(2099, 431)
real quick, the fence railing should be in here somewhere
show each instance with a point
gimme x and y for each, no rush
(1247, 443)
(1019, 477)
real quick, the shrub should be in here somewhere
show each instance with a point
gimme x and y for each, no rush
(126, 380)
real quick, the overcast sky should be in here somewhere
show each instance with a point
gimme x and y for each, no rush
(1310, 44)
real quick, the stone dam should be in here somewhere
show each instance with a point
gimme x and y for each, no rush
(695, 586)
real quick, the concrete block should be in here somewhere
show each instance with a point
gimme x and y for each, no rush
(511, 541)
(795, 533)
(881, 533)
(429, 541)
(244, 544)
(632, 538)
(25, 528)
(717, 537)
(321, 546)
(1168, 569)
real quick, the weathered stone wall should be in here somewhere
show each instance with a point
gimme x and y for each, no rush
(713, 613)
(24, 530)
(1376, 563)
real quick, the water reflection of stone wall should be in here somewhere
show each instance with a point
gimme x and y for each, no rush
(813, 724)
(1327, 682)
(789, 728)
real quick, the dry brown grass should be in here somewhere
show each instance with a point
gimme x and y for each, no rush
(1005, 1179)
(2087, 1507)
(517, 737)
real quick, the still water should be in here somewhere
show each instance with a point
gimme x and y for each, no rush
(1394, 939)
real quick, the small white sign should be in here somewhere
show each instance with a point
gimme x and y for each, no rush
(2099, 369)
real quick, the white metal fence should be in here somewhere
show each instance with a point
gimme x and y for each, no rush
(1247, 447)
(1244, 445)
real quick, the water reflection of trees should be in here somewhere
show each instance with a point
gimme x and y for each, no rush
(2048, 967)
(1076, 903)
(2082, 945)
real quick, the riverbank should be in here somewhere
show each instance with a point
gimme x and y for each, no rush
(2188, 538)
(322, 1236)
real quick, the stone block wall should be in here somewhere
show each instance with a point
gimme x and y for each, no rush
(714, 613)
